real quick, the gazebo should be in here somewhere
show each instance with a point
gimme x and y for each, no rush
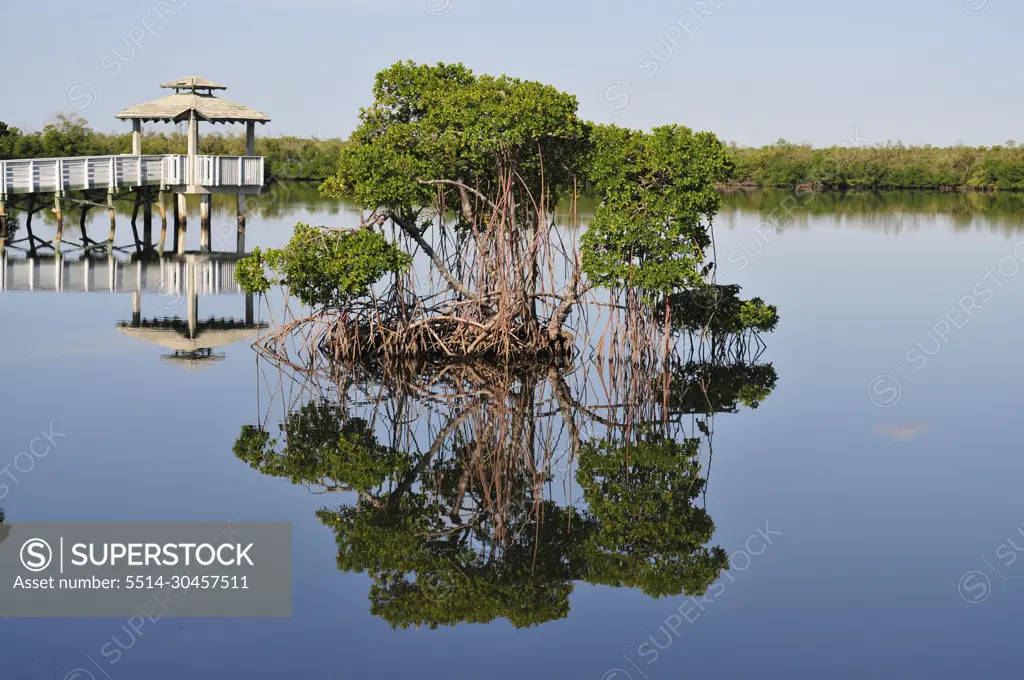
(29, 183)
(193, 102)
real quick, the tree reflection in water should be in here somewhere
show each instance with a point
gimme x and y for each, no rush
(481, 492)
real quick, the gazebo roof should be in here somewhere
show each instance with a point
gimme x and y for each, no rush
(179, 106)
(193, 83)
(173, 333)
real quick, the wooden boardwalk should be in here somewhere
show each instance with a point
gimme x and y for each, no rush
(170, 172)
(27, 184)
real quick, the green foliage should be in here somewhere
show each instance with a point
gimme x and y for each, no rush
(323, 447)
(658, 198)
(648, 534)
(7, 137)
(884, 166)
(251, 272)
(705, 388)
(12, 226)
(380, 538)
(431, 543)
(452, 597)
(719, 310)
(323, 267)
(67, 135)
(756, 314)
(427, 580)
(445, 123)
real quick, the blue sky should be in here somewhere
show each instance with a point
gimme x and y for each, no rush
(819, 71)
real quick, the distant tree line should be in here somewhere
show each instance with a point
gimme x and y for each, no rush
(782, 164)
(287, 157)
(883, 166)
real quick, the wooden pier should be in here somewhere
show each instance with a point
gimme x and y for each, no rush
(32, 185)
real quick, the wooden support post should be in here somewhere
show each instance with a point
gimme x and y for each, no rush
(193, 148)
(81, 226)
(163, 224)
(60, 224)
(28, 225)
(135, 218)
(182, 235)
(193, 296)
(113, 222)
(136, 137)
(177, 221)
(136, 308)
(147, 220)
(3, 226)
(204, 220)
(250, 138)
(240, 238)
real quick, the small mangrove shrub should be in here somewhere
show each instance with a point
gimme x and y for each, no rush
(323, 268)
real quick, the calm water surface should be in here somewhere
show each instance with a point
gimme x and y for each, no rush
(885, 468)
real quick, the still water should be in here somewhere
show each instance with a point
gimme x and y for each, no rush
(868, 507)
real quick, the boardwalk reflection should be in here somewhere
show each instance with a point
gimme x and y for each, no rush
(169, 282)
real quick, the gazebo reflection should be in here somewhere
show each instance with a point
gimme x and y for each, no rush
(192, 342)
(170, 281)
(192, 345)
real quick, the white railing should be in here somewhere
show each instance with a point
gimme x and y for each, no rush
(229, 171)
(175, 169)
(56, 175)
